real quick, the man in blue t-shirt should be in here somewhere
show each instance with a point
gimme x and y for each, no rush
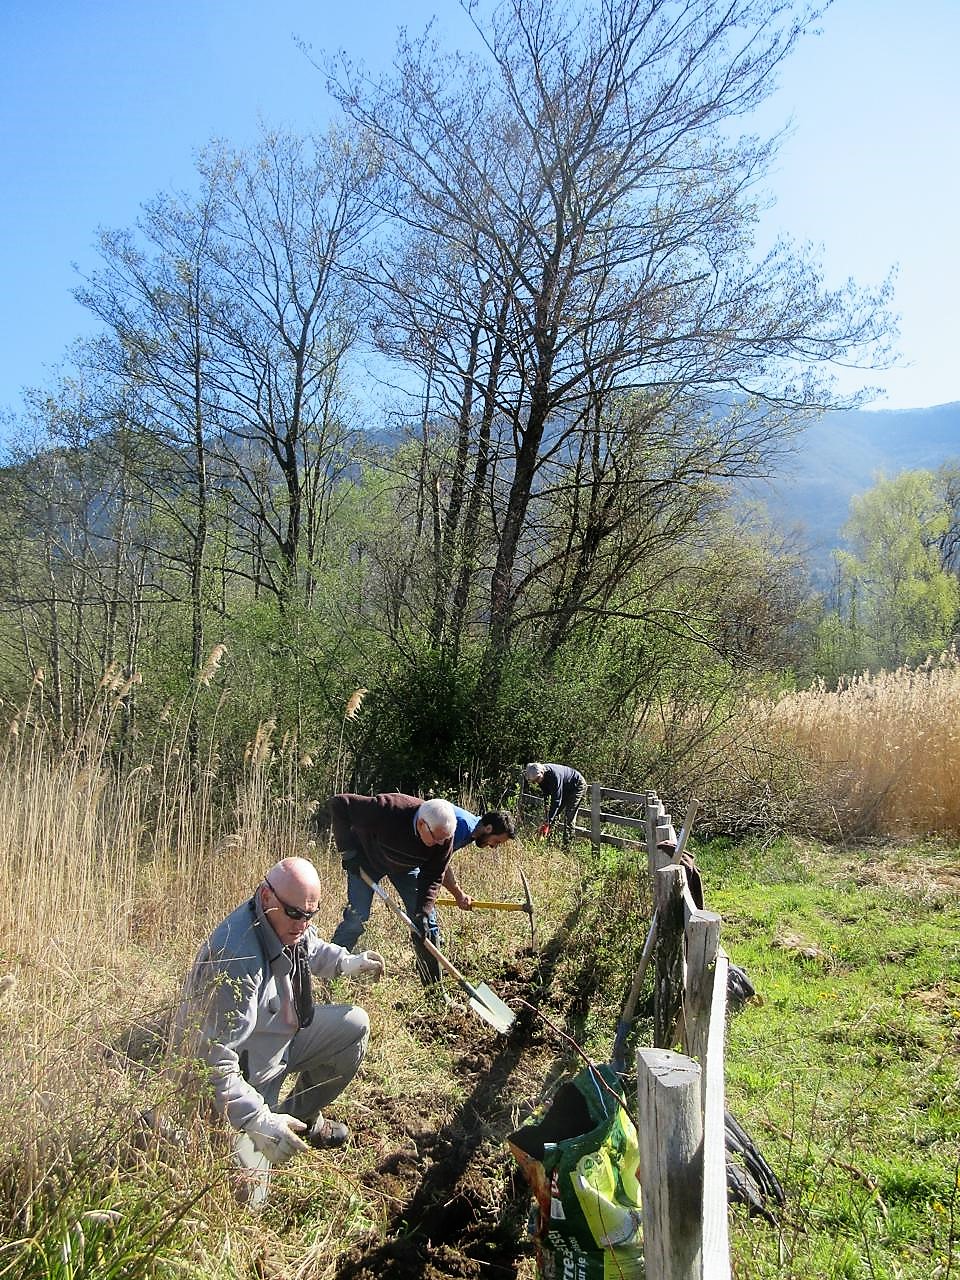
(488, 831)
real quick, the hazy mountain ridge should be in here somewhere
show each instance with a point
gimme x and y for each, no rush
(840, 455)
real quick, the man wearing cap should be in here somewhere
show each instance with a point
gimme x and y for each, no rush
(405, 839)
(563, 787)
(247, 1012)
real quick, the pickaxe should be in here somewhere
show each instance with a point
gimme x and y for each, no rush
(525, 906)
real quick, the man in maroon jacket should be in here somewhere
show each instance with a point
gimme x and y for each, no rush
(406, 839)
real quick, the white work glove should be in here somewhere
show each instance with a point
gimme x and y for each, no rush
(276, 1135)
(371, 962)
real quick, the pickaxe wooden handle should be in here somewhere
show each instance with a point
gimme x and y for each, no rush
(526, 907)
(489, 906)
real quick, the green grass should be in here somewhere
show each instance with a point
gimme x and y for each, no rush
(847, 1073)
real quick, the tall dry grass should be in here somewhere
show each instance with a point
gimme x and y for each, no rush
(879, 756)
(883, 750)
(110, 882)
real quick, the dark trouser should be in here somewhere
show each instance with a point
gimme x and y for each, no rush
(571, 804)
(428, 966)
(357, 912)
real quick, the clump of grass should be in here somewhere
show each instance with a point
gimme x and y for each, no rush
(350, 712)
(879, 756)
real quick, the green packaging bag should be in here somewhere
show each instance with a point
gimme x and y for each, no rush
(581, 1160)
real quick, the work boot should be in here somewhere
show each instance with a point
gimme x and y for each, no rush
(326, 1134)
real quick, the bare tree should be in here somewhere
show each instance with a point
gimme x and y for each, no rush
(154, 293)
(948, 482)
(72, 574)
(294, 217)
(592, 213)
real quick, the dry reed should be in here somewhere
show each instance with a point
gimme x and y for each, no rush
(884, 749)
(112, 882)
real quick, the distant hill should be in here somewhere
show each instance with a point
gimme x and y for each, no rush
(840, 454)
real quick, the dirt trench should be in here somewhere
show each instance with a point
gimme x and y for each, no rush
(458, 1203)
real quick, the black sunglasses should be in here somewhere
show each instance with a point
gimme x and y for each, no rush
(292, 913)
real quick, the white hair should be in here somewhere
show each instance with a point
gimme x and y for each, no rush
(533, 771)
(440, 817)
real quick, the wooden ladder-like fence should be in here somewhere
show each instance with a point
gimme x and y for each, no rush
(680, 1095)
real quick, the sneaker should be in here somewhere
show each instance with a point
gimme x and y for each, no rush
(327, 1134)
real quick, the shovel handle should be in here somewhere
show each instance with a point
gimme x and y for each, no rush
(437, 954)
(482, 1000)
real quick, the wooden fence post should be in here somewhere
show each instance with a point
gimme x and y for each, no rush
(670, 1129)
(703, 940)
(595, 790)
(668, 972)
(652, 813)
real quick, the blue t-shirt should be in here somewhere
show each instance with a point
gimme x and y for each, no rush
(467, 823)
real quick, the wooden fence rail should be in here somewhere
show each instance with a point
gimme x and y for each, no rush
(647, 810)
(680, 1095)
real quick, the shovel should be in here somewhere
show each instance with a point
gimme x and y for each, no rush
(482, 1000)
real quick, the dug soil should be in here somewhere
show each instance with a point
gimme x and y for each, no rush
(457, 1204)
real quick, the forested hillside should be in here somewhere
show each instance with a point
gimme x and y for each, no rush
(841, 455)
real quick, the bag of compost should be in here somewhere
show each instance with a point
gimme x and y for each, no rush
(581, 1161)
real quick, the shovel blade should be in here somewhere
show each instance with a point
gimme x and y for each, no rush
(491, 1008)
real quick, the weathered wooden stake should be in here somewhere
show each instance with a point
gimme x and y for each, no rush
(595, 790)
(670, 1128)
(703, 939)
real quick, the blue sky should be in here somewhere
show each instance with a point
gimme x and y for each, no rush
(103, 104)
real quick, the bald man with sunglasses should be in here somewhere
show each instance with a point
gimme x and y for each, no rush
(248, 1012)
